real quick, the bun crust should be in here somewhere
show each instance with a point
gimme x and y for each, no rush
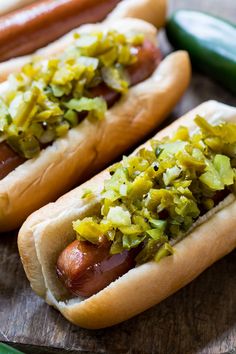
(49, 230)
(7, 6)
(153, 11)
(90, 146)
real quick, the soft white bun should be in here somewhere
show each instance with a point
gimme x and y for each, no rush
(49, 230)
(153, 11)
(7, 6)
(89, 147)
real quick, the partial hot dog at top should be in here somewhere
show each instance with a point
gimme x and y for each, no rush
(26, 30)
(34, 26)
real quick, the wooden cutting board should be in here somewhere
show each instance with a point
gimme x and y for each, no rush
(201, 318)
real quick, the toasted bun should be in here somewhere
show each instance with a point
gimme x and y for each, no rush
(49, 230)
(87, 148)
(7, 6)
(153, 11)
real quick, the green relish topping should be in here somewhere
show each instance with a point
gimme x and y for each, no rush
(50, 96)
(154, 197)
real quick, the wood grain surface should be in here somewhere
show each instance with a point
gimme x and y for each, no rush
(199, 319)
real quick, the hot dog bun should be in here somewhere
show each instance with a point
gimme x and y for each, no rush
(7, 6)
(49, 230)
(87, 148)
(153, 11)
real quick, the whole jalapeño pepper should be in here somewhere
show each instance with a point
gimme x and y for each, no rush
(210, 41)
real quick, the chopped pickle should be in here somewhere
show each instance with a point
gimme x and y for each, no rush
(50, 96)
(153, 197)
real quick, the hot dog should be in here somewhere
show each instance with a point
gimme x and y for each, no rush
(48, 123)
(186, 234)
(34, 26)
(148, 58)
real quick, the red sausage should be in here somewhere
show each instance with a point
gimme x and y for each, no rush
(85, 269)
(34, 26)
(9, 160)
(148, 57)
(102, 90)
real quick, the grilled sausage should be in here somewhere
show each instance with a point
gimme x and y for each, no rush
(85, 268)
(9, 160)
